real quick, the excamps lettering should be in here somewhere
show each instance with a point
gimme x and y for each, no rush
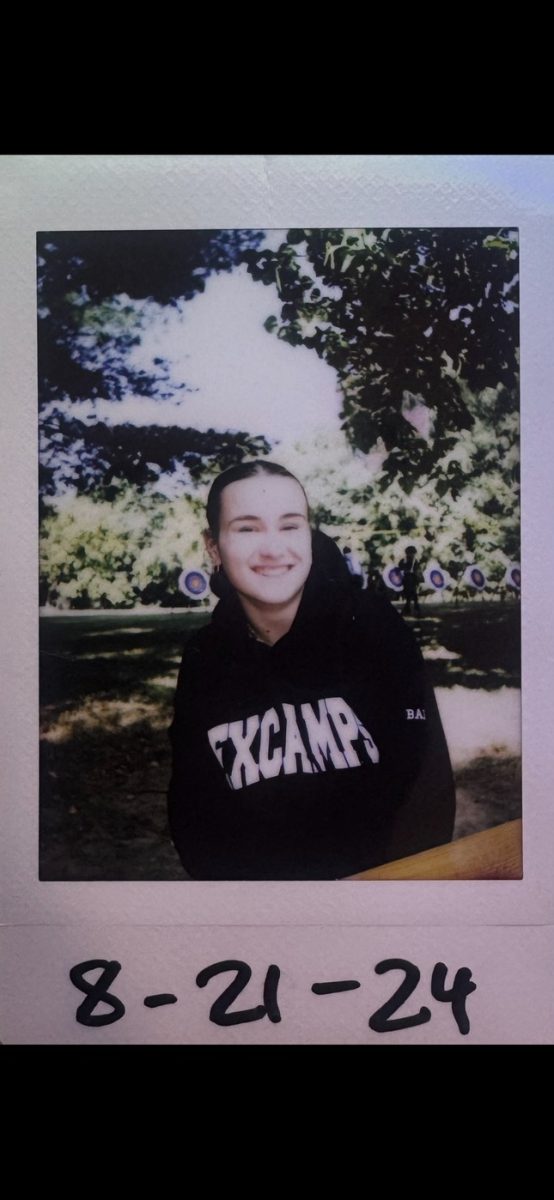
(290, 739)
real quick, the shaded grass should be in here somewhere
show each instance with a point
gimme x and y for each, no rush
(107, 688)
(487, 638)
(488, 792)
(107, 821)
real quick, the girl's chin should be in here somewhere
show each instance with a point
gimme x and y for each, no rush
(281, 590)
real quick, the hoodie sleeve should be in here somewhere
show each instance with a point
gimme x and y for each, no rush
(190, 772)
(425, 816)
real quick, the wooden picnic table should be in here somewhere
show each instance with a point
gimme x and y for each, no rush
(493, 854)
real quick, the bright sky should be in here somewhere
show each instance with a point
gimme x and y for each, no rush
(246, 378)
(243, 377)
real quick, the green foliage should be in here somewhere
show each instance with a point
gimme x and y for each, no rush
(421, 327)
(97, 553)
(427, 314)
(97, 294)
(356, 501)
(138, 454)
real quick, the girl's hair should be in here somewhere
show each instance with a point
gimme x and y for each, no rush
(244, 470)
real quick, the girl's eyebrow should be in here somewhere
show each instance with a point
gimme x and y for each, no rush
(245, 518)
(283, 517)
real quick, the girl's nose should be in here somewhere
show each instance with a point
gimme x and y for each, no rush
(271, 545)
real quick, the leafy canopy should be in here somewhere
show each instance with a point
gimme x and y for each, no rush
(404, 316)
(97, 294)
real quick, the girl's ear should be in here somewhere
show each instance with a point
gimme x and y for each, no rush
(211, 547)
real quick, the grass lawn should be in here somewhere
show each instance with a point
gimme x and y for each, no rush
(107, 685)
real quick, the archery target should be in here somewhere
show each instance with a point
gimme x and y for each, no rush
(393, 577)
(513, 576)
(474, 577)
(193, 582)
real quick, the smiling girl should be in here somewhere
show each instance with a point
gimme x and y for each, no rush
(306, 741)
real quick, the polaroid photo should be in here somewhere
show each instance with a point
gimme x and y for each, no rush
(349, 695)
(275, 630)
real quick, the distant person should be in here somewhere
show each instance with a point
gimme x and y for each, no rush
(355, 567)
(411, 576)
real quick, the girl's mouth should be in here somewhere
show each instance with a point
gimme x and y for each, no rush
(273, 572)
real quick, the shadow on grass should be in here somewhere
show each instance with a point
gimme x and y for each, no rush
(488, 792)
(103, 807)
(107, 688)
(82, 656)
(474, 645)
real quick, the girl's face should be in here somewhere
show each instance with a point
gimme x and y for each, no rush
(264, 543)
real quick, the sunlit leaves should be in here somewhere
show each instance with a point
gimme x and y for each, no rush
(420, 311)
(119, 552)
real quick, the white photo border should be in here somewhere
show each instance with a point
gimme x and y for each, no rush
(256, 191)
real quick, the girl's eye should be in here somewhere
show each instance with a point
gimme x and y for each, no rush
(285, 527)
(246, 529)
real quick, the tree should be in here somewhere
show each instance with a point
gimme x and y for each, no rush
(481, 524)
(97, 293)
(120, 552)
(98, 459)
(411, 320)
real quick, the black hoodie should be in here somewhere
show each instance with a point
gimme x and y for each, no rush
(315, 758)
